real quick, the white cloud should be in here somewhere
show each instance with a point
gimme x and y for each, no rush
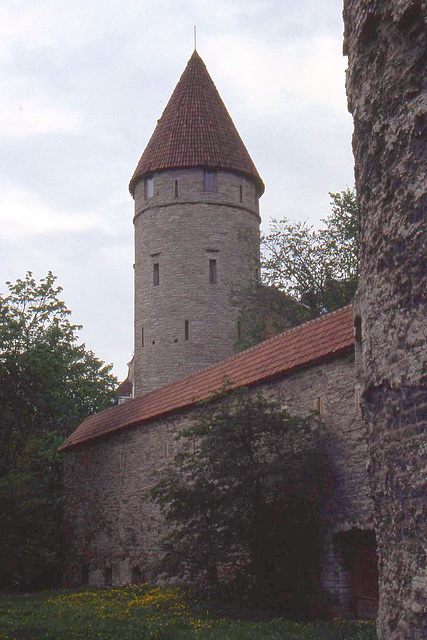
(23, 214)
(21, 117)
(36, 25)
(274, 77)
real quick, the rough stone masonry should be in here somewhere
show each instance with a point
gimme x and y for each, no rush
(386, 43)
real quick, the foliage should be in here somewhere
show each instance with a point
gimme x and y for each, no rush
(242, 500)
(152, 613)
(318, 268)
(48, 384)
(265, 312)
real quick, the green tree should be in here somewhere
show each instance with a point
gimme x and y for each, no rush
(318, 268)
(264, 312)
(242, 500)
(48, 384)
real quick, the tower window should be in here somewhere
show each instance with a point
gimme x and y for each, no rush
(210, 180)
(156, 274)
(186, 329)
(149, 187)
(212, 272)
(176, 188)
(142, 336)
(241, 193)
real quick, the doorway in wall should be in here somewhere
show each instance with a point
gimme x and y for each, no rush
(358, 550)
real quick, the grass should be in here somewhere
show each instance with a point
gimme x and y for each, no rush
(147, 613)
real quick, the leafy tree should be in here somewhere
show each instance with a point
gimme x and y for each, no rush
(318, 268)
(264, 312)
(242, 500)
(48, 384)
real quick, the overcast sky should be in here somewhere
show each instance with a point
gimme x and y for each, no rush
(82, 86)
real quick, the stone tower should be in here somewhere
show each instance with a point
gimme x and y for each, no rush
(386, 42)
(196, 193)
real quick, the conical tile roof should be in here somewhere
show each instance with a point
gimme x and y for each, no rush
(195, 130)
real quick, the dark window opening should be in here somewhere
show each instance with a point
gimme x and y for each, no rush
(358, 329)
(176, 188)
(212, 272)
(186, 329)
(142, 336)
(156, 274)
(210, 181)
(241, 193)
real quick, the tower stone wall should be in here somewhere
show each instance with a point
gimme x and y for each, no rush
(386, 42)
(185, 309)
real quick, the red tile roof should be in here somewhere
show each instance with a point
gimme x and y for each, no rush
(195, 130)
(311, 342)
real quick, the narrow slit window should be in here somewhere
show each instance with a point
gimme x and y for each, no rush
(156, 274)
(319, 406)
(241, 193)
(142, 337)
(357, 399)
(186, 330)
(149, 188)
(176, 188)
(210, 181)
(212, 272)
(358, 329)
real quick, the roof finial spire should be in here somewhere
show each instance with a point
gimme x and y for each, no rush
(195, 38)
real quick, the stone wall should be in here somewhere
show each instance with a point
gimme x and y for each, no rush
(181, 228)
(386, 42)
(112, 533)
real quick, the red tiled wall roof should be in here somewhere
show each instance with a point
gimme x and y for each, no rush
(195, 130)
(311, 342)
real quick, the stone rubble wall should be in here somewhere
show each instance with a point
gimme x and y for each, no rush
(112, 532)
(386, 43)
